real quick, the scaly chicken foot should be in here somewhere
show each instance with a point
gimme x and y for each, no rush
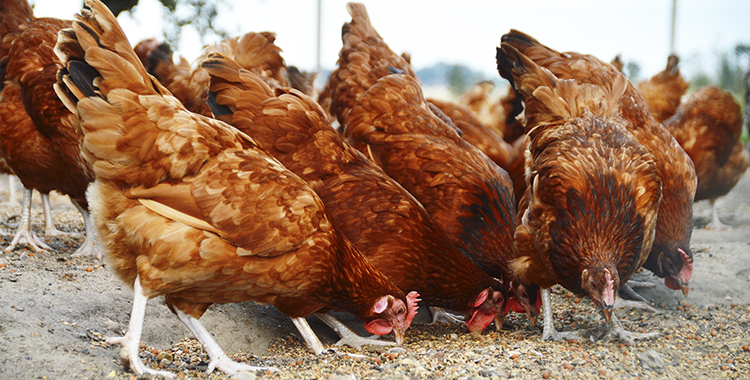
(311, 340)
(24, 235)
(130, 342)
(633, 304)
(219, 360)
(90, 246)
(626, 292)
(549, 332)
(716, 223)
(614, 330)
(440, 315)
(49, 225)
(349, 337)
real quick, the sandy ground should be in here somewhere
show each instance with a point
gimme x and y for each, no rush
(55, 310)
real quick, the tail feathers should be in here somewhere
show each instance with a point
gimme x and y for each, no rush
(255, 52)
(548, 98)
(525, 75)
(360, 27)
(672, 62)
(97, 37)
(230, 82)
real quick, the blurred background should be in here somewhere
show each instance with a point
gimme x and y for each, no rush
(452, 43)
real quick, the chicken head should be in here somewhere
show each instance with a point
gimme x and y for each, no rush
(394, 316)
(600, 284)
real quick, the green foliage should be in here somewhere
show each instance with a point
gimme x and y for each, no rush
(459, 78)
(200, 14)
(699, 80)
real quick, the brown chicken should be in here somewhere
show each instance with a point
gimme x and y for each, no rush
(190, 208)
(190, 85)
(708, 125)
(36, 135)
(663, 91)
(373, 211)
(362, 46)
(468, 195)
(512, 158)
(670, 256)
(478, 98)
(500, 116)
(509, 157)
(588, 218)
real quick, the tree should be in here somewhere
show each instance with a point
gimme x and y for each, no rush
(199, 14)
(458, 77)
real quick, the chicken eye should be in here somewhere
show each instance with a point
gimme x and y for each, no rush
(401, 310)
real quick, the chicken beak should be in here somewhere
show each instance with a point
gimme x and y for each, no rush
(607, 310)
(398, 334)
(685, 289)
(498, 322)
(531, 317)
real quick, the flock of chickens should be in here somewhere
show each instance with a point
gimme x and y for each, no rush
(229, 182)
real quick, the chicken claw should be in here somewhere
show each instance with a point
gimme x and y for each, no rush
(90, 246)
(440, 315)
(349, 337)
(616, 331)
(130, 342)
(24, 234)
(49, 226)
(219, 360)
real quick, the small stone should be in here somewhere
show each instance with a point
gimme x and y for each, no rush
(408, 361)
(164, 355)
(485, 373)
(546, 375)
(397, 350)
(652, 361)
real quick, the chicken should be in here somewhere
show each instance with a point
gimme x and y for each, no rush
(372, 210)
(303, 81)
(708, 125)
(512, 129)
(192, 209)
(671, 257)
(191, 86)
(663, 91)
(361, 43)
(500, 116)
(478, 98)
(509, 157)
(588, 219)
(468, 195)
(36, 135)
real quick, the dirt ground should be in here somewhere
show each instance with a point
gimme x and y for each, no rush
(54, 310)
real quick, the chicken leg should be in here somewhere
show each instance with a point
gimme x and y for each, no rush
(614, 329)
(130, 342)
(349, 337)
(219, 359)
(549, 332)
(440, 315)
(49, 225)
(716, 223)
(90, 246)
(24, 234)
(311, 340)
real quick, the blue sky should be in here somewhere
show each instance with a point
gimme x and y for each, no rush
(468, 31)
